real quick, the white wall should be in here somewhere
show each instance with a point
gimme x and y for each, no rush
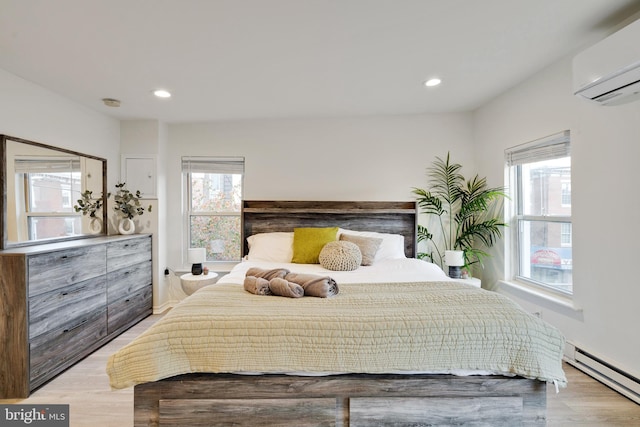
(605, 153)
(148, 138)
(28, 111)
(360, 158)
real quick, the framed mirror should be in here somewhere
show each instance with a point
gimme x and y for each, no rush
(41, 184)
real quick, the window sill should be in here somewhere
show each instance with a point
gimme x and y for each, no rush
(557, 303)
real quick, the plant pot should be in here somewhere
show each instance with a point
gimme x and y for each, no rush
(95, 226)
(126, 226)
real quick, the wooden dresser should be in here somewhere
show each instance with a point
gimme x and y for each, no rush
(59, 302)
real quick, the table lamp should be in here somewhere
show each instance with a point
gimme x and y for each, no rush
(196, 257)
(455, 260)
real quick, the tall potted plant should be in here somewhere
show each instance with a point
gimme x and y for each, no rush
(128, 205)
(461, 213)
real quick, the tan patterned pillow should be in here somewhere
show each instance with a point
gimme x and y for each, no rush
(368, 246)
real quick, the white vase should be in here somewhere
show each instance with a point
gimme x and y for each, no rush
(95, 226)
(126, 226)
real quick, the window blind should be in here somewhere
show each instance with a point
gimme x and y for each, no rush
(47, 164)
(222, 165)
(548, 148)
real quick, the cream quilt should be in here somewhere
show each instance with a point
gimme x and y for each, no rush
(367, 328)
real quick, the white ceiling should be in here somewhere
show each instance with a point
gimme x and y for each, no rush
(246, 59)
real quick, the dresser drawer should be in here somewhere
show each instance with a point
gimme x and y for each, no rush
(126, 281)
(64, 307)
(59, 348)
(52, 270)
(130, 309)
(128, 252)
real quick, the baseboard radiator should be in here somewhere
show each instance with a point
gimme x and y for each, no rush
(620, 381)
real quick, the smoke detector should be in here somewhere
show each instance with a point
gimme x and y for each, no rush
(111, 102)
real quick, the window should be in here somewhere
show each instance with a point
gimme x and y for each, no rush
(565, 234)
(540, 183)
(213, 200)
(51, 185)
(566, 194)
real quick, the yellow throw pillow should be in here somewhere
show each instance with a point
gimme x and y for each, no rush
(308, 242)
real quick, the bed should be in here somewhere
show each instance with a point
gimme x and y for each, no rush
(400, 343)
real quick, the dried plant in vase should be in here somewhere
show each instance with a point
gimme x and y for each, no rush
(128, 205)
(89, 205)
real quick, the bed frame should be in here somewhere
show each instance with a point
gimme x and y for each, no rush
(340, 400)
(383, 217)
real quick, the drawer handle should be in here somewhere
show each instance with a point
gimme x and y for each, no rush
(127, 300)
(64, 257)
(65, 294)
(76, 326)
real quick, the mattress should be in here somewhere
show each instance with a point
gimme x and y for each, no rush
(398, 316)
(389, 270)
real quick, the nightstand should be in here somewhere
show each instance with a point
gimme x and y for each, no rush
(473, 281)
(191, 283)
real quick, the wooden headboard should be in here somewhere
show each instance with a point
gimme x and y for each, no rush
(267, 216)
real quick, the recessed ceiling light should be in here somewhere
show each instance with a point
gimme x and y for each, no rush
(432, 82)
(161, 93)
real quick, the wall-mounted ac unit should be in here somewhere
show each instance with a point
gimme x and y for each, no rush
(609, 71)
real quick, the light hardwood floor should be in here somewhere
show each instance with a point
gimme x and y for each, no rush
(85, 387)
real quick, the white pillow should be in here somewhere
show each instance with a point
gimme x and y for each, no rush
(271, 247)
(392, 246)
